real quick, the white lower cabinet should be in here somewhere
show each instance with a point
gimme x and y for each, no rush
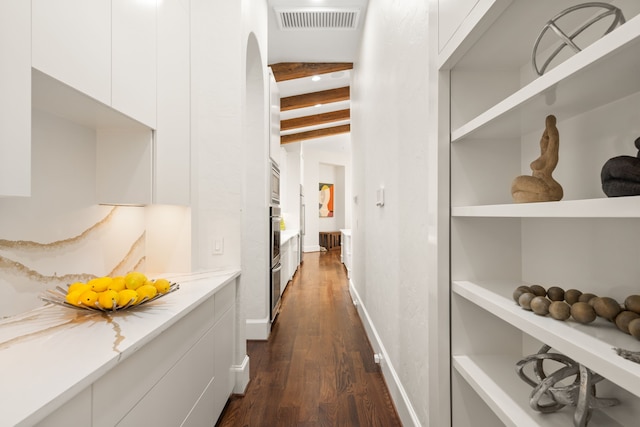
(290, 260)
(78, 410)
(181, 378)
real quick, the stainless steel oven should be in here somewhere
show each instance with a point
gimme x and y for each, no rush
(275, 184)
(276, 267)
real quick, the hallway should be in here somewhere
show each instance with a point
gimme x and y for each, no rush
(317, 368)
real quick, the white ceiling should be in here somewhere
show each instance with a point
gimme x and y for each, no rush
(314, 45)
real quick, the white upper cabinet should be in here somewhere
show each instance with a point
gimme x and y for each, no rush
(72, 43)
(172, 149)
(134, 59)
(124, 166)
(105, 49)
(15, 102)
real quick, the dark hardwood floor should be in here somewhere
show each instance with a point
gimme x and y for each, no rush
(317, 368)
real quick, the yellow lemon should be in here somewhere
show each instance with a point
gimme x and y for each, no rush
(134, 280)
(108, 299)
(125, 296)
(162, 285)
(146, 292)
(73, 297)
(76, 286)
(100, 284)
(89, 298)
(117, 284)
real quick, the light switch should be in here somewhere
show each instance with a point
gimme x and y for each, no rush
(218, 246)
(380, 196)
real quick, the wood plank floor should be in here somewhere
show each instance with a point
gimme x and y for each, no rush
(317, 369)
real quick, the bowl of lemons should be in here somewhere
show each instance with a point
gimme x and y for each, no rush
(110, 294)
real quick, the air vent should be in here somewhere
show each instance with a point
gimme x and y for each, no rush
(317, 19)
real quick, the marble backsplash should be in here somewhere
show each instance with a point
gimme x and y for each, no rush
(61, 234)
(28, 267)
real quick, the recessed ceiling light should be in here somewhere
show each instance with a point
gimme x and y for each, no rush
(315, 78)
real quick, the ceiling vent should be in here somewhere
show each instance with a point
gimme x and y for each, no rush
(317, 18)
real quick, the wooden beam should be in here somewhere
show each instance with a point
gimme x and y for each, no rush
(316, 119)
(296, 70)
(311, 99)
(302, 136)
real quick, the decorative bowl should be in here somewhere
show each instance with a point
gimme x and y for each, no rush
(57, 296)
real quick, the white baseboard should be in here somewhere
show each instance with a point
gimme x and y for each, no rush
(407, 414)
(241, 376)
(313, 248)
(258, 329)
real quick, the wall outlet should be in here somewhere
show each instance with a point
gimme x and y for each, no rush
(217, 246)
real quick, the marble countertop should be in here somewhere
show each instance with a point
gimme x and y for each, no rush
(50, 354)
(286, 235)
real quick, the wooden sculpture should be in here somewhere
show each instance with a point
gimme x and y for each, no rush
(541, 187)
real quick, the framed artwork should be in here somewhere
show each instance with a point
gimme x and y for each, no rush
(325, 200)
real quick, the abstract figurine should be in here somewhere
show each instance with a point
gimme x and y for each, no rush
(621, 175)
(548, 388)
(541, 187)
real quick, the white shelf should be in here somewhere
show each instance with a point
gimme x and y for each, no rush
(495, 380)
(614, 207)
(566, 90)
(591, 345)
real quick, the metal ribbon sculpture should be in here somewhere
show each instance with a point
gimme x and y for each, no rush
(581, 393)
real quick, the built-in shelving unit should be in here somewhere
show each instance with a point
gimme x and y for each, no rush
(585, 241)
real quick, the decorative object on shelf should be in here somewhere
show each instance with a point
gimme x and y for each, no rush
(568, 40)
(541, 187)
(620, 175)
(581, 393)
(584, 308)
(110, 294)
(633, 356)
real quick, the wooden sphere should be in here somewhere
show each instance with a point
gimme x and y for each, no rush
(519, 291)
(559, 310)
(632, 303)
(538, 290)
(525, 300)
(571, 296)
(607, 307)
(582, 312)
(540, 305)
(586, 297)
(634, 328)
(624, 318)
(555, 293)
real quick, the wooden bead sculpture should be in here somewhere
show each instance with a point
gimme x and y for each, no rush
(540, 186)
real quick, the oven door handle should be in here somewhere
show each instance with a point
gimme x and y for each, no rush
(277, 268)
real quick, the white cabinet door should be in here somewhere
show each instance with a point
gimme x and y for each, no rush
(124, 166)
(15, 102)
(77, 409)
(72, 43)
(172, 150)
(134, 59)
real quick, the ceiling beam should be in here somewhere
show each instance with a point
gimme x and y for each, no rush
(316, 119)
(311, 99)
(296, 70)
(302, 136)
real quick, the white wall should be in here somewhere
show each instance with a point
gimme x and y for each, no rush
(391, 256)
